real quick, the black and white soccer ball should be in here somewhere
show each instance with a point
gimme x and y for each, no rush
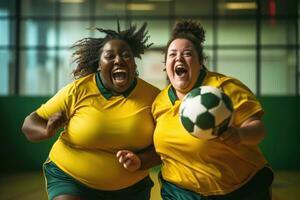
(206, 112)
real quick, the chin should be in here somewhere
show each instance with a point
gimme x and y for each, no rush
(182, 86)
(121, 89)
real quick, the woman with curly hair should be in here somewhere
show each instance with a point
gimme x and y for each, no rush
(105, 109)
(229, 167)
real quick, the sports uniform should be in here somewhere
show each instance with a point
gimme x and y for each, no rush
(98, 125)
(207, 167)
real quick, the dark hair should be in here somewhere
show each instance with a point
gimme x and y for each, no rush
(192, 31)
(88, 51)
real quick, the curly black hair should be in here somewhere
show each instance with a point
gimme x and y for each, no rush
(88, 50)
(192, 31)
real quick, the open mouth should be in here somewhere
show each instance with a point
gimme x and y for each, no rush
(119, 75)
(180, 70)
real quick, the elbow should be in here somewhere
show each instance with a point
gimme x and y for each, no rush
(253, 133)
(261, 133)
(34, 128)
(27, 130)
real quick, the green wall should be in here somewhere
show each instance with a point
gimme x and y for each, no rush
(16, 152)
(281, 145)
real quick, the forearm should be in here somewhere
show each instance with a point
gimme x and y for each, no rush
(252, 132)
(34, 128)
(149, 158)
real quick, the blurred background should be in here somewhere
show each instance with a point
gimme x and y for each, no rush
(254, 41)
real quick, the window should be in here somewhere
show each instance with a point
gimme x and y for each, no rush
(36, 36)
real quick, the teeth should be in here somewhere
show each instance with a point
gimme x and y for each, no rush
(119, 74)
(120, 71)
(179, 66)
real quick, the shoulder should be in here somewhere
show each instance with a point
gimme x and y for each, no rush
(227, 83)
(163, 95)
(216, 78)
(162, 99)
(82, 82)
(144, 93)
(85, 84)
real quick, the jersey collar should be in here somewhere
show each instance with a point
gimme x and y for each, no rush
(171, 90)
(107, 93)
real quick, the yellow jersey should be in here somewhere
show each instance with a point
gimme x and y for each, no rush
(209, 167)
(100, 124)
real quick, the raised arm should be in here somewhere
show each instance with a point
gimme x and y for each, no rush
(38, 129)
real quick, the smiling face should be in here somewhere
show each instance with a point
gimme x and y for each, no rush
(117, 66)
(182, 66)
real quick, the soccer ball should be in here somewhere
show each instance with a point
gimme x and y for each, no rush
(205, 112)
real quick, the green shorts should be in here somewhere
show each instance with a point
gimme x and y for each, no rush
(258, 188)
(60, 183)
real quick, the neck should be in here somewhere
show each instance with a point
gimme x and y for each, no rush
(180, 95)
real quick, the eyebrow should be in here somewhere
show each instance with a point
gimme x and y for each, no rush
(112, 50)
(186, 49)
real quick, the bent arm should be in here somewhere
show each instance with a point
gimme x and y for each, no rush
(149, 158)
(142, 160)
(251, 132)
(38, 129)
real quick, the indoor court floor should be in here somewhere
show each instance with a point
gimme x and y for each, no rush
(30, 186)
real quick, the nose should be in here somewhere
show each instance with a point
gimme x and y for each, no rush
(118, 59)
(178, 57)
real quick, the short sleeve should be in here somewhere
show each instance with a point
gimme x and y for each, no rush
(244, 101)
(62, 101)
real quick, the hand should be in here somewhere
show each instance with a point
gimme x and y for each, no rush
(55, 122)
(231, 136)
(129, 160)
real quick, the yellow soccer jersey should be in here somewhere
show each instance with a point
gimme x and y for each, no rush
(99, 125)
(209, 167)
